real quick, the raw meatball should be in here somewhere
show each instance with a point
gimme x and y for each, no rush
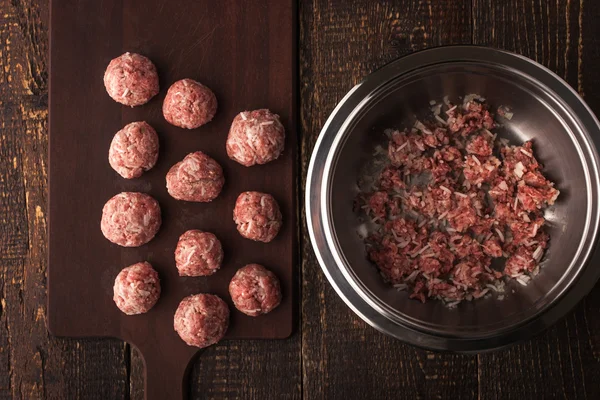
(257, 216)
(197, 178)
(130, 219)
(137, 288)
(201, 320)
(131, 79)
(189, 104)
(198, 254)
(255, 290)
(255, 137)
(133, 150)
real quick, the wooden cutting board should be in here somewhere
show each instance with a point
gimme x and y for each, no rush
(245, 51)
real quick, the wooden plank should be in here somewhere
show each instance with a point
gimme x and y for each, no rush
(243, 50)
(75, 35)
(95, 369)
(565, 361)
(13, 219)
(249, 369)
(34, 365)
(341, 42)
(137, 378)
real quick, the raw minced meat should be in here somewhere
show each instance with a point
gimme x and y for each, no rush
(136, 289)
(197, 178)
(131, 79)
(198, 254)
(201, 320)
(255, 137)
(133, 150)
(130, 219)
(257, 216)
(189, 104)
(255, 290)
(450, 198)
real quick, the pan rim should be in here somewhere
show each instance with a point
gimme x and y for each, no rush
(322, 234)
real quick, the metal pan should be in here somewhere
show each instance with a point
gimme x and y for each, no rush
(566, 135)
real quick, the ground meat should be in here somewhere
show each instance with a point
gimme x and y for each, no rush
(482, 226)
(393, 265)
(198, 254)
(437, 288)
(464, 215)
(255, 137)
(196, 178)
(441, 171)
(478, 172)
(404, 148)
(431, 141)
(521, 261)
(451, 155)
(519, 159)
(420, 164)
(444, 200)
(133, 150)
(524, 231)
(403, 228)
(131, 79)
(438, 242)
(444, 206)
(465, 276)
(378, 204)
(492, 248)
(422, 202)
(255, 290)
(471, 118)
(189, 104)
(504, 212)
(391, 179)
(130, 219)
(136, 289)
(430, 266)
(480, 145)
(257, 216)
(501, 191)
(201, 320)
(536, 179)
(533, 198)
(442, 136)
(464, 246)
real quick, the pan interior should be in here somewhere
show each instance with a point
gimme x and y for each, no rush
(538, 116)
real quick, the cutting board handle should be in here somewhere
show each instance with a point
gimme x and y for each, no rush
(166, 380)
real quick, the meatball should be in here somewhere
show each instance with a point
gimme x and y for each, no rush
(133, 150)
(255, 290)
(130, 219)
(136, 289)
(197, 178)
(131, 79)
(257, 216)
(201, 320)
(189, 104)
(255, 137)
(198, 254)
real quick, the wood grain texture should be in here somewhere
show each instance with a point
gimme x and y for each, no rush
(35, 365)
(265, 369)
(251, 65)
(343, 357)
(561, 36)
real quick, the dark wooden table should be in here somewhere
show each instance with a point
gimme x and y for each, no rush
(333, 354)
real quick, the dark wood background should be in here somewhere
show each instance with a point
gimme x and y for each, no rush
(333, 354)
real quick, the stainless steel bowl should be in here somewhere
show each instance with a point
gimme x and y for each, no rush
(566, 135)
